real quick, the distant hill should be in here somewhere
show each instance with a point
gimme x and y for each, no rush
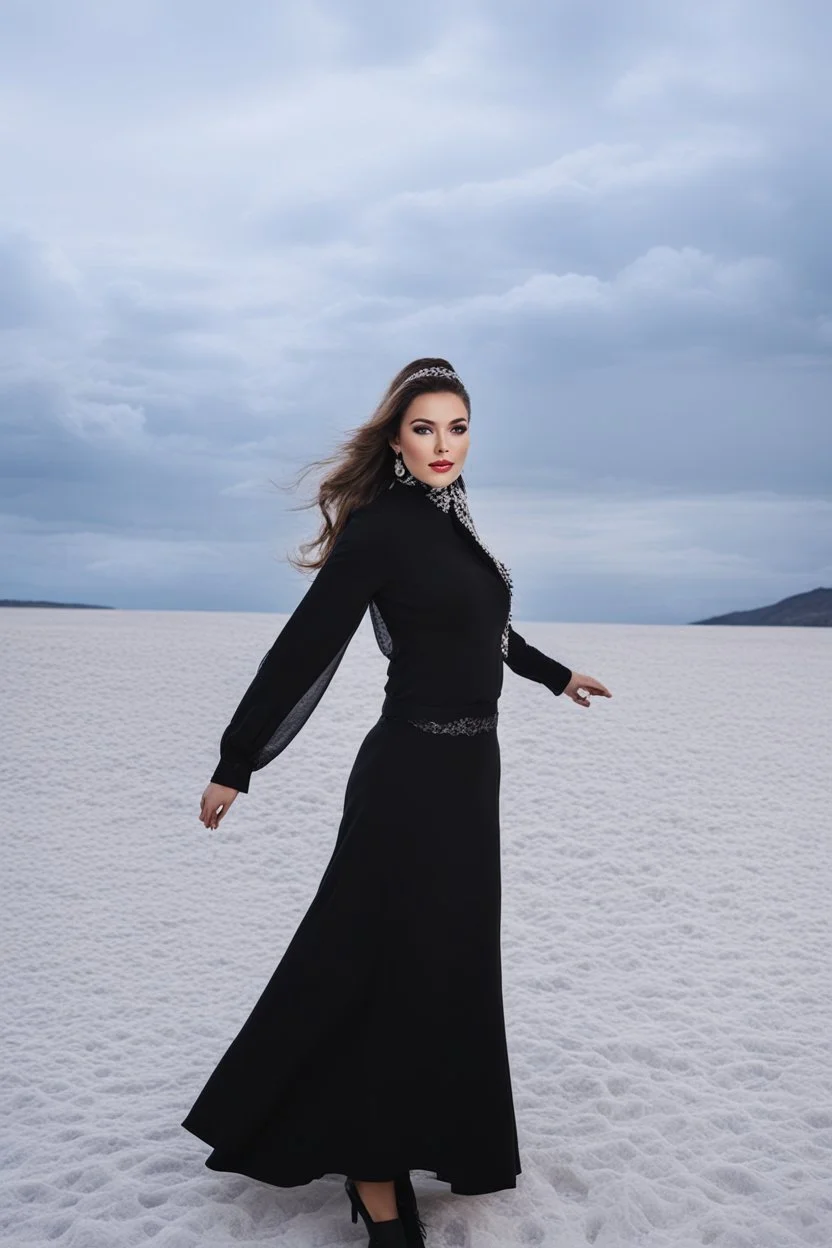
(810, 610)
(71, 606)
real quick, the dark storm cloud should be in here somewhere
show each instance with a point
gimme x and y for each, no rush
(218, 239)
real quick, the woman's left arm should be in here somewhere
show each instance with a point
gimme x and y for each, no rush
(526, 660)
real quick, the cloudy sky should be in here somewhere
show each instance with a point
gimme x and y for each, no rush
(223, 228)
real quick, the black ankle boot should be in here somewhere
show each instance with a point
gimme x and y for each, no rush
(415, 1232)
(389, 1234)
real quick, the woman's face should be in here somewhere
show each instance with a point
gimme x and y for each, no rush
(434, 429)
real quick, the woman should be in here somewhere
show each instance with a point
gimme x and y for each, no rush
(378, 1046)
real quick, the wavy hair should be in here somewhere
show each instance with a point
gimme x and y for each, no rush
(363, 461)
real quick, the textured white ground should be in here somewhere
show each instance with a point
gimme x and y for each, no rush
(666, 934)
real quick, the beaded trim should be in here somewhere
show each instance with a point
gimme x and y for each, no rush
(455, 495)
(468, 726)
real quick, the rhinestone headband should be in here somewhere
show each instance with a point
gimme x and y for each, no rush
(433, 372)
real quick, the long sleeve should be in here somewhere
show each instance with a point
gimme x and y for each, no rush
(294, 674)
(526, 660)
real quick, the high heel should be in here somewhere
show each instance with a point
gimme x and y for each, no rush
(388, 1234)
(415, 1231)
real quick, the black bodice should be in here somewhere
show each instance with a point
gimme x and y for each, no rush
(440, 605)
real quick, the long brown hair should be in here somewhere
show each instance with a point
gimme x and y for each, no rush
(364, 460)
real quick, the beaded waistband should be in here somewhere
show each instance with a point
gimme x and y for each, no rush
(456, 719)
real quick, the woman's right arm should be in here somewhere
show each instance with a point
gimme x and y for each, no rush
(294, 674)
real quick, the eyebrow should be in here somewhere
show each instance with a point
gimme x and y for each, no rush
(424, 420)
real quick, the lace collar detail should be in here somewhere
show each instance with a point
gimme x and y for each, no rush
(454, 497)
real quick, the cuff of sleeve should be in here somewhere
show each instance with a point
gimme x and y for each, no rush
(232, 775)
(558, 677)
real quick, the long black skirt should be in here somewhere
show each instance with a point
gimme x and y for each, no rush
(378, 1045)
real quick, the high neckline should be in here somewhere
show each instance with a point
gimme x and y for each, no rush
(454, 492)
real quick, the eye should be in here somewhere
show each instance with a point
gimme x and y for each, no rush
(427, 429)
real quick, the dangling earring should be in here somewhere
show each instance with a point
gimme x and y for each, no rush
(399, 467)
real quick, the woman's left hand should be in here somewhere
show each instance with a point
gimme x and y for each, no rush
(581, 685)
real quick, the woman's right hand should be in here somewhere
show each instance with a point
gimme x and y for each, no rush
(214, 803)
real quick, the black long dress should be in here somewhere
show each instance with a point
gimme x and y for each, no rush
(378, 1045)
